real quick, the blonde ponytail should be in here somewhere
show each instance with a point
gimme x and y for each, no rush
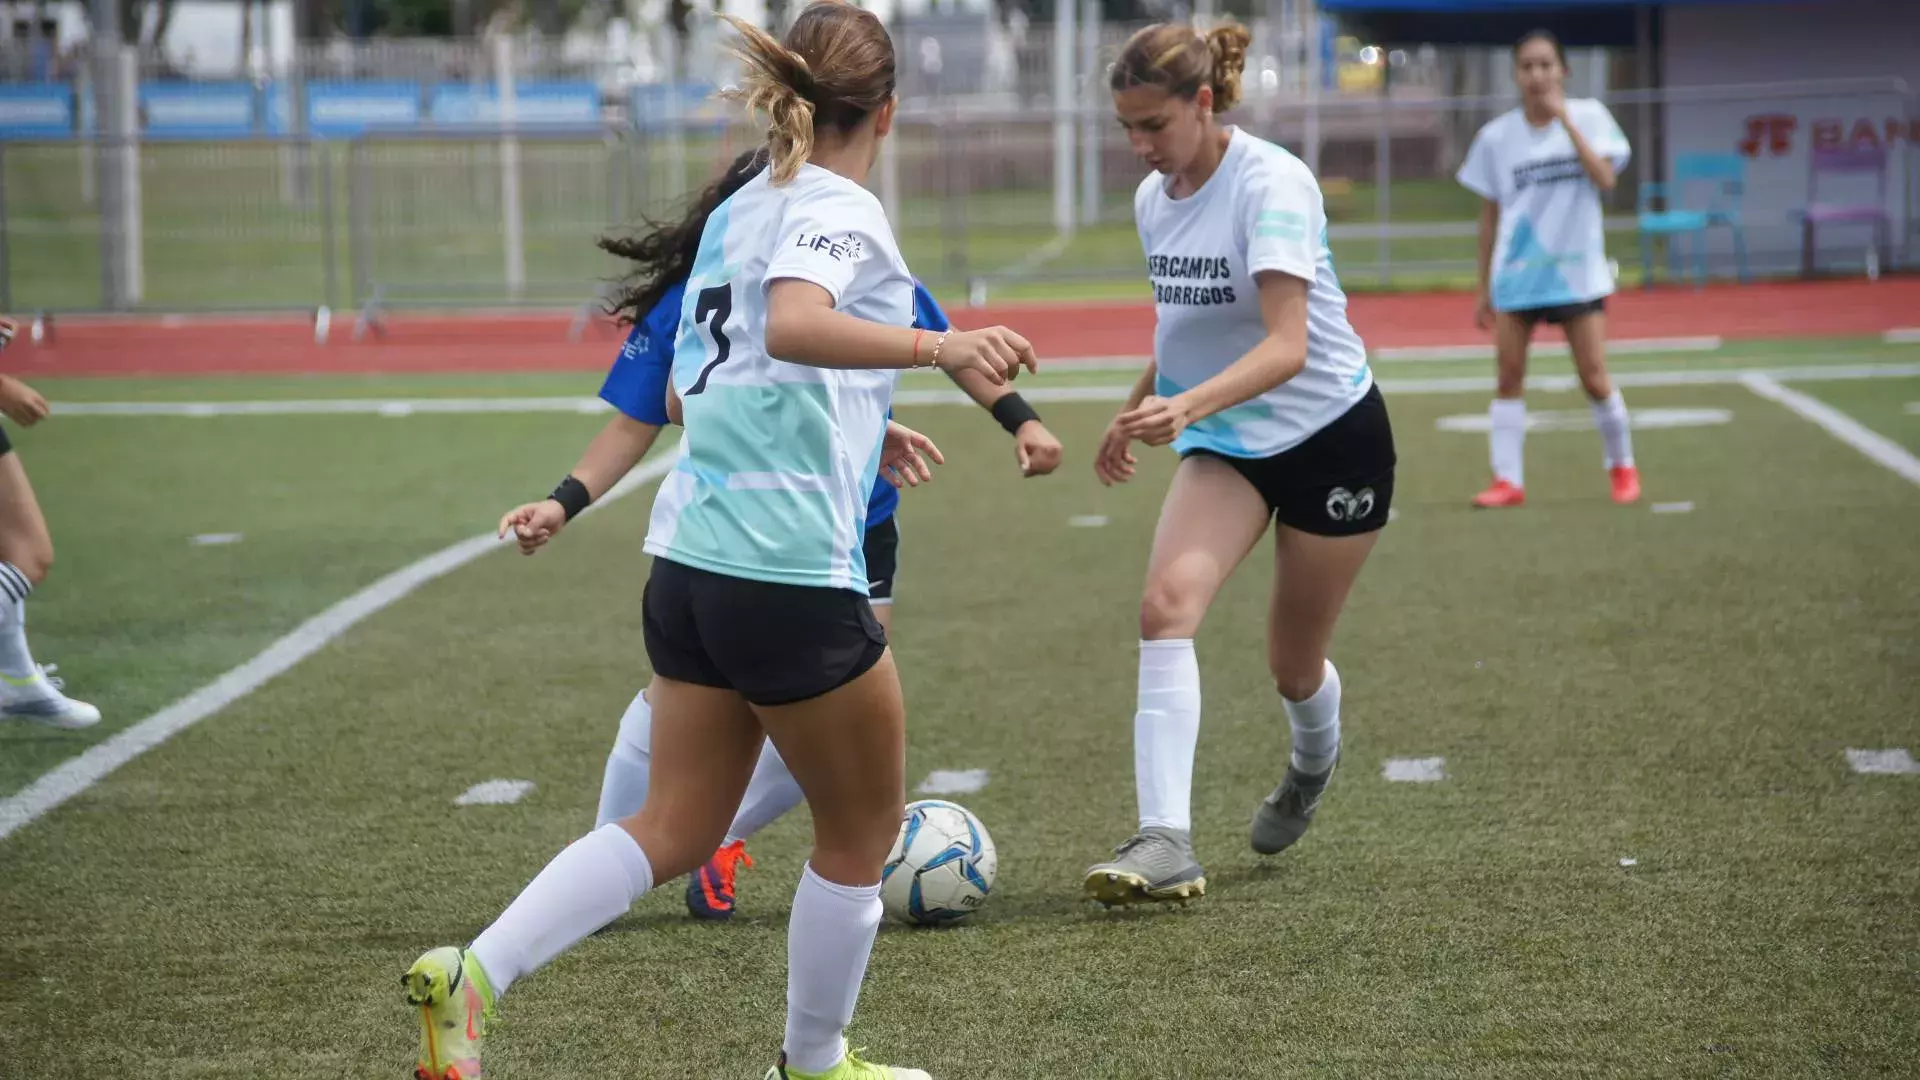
(1228, 45)
(778, 85)
(835, 68)
(1180, 60)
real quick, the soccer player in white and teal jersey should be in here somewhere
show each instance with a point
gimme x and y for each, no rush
(636, 387)
(796, 320)
(1541, 169)
(1262, 387)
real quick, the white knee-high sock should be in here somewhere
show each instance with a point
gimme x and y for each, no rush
(1610, 415)
(829, 938)
(1316, 725)
(771, 792)
(1507, 439)
(16, 661)
(623, 787)
(590, 884)
(1166, 728)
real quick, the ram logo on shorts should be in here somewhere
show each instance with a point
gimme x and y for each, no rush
(1344, 505)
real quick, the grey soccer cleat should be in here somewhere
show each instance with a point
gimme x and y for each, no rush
(1283, 816)
(1155, 866)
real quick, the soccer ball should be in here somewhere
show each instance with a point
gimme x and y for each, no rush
(941, 867)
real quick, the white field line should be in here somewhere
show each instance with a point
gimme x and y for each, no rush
(1905, 335)
(77, 774)
(451, 406)
(1624, 347)
(1429, 770)
(952, 782)
(1897, 761)
(1877, 447)
(495, 793)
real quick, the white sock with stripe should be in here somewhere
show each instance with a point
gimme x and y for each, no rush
(16, 661)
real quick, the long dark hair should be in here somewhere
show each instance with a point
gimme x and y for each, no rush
(663, 252)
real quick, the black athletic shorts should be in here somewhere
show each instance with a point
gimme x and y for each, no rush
(1558, 314)
(882, 547)
(773, 644)
(1337, 483)
(6, 444)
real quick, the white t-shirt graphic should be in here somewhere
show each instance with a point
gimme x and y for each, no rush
(1551, 248)
(779, 459)
(1261, 210)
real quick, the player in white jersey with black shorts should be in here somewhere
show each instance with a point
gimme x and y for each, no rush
(1263, 389)
(795, 323)
(1541, 169)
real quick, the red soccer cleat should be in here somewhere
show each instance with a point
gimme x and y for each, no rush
(1626, 484)
(1501, 495)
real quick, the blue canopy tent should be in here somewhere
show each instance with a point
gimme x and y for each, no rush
(1579, 23)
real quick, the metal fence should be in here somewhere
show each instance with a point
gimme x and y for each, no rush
(981, 202)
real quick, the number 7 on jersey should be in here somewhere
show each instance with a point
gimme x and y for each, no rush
(713, 306)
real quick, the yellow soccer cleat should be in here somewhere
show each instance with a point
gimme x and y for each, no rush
(456, 1005)
(850, 1068)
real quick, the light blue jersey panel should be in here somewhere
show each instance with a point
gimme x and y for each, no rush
(779, 459)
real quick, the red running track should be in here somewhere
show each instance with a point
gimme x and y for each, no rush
(190, 346)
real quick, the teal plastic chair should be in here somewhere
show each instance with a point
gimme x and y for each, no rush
(1722, 179)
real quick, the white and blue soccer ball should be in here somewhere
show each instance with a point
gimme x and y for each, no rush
(941, 867)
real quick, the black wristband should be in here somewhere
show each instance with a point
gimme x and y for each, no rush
(572, 496)
(1013, 411)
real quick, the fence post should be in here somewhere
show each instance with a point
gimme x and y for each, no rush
(511, 221)
(322, 157)
(1383, 173)
(119, 166)
(1063, 119)
(1089, 99)
(6, 253)
(1310, 15)
(890, 177)
(358, 238)
(82, 95)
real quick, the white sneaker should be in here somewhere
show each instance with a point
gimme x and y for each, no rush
(38, 698)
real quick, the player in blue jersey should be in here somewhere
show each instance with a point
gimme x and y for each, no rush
(637, 388)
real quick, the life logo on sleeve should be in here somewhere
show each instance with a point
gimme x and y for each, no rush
(846, 249)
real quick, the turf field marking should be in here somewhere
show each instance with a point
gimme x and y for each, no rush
(1629, 862)
(1426, 770)
(1582, 420)
(1673, 507)
(1877, 447)
(1913, 408)
(1904, 335)
(594, 406)
(952, 782)
(77, 774)
(1087, 521)
(495, 793)
(1897, 761)
(216, 539)
(1624, 347)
